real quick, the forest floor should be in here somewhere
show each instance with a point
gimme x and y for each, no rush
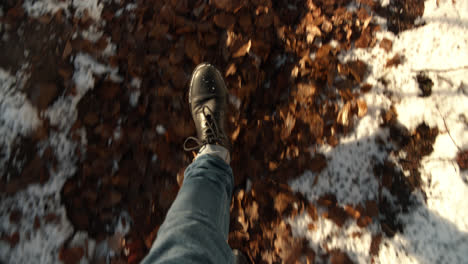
(348, 121)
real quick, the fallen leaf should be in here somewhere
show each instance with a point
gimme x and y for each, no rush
(372, 208)
(337, 214)
(357, 69)
(386, 44)
(12, 239)
(364, 221)
(231, 70)
(352, 212)
(364, 40)
(375, 244)
(312, 211)
(282, 202)
(264, 20)
(242, 50)
(362, 108)
(462, 159)
(327, 26)
(394, 61)
(71, 255)
(15, 216)
(318, 163)
(339, 257)
(345, 115)
(224, 20)
(365, 88)
(67, 50)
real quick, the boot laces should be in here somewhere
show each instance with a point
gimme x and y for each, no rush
(213, 135)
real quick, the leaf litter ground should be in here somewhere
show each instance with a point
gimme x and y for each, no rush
(289, 91)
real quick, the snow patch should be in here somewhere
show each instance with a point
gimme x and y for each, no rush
(17, 116)
(435, 232)
(37, 8)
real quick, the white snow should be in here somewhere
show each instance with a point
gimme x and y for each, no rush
(17, 116)
(35, 246)
(160, 129)
(134, 96)
(37, 8)
(436, 232)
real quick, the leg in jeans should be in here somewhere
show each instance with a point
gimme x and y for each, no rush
(196, 227)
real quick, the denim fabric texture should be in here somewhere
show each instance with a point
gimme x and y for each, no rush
(197, 224)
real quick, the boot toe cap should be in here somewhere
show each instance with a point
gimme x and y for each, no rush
(206, 81)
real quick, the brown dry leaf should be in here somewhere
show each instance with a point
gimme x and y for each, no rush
(224, 20)
(272, 166)
(375, 244)
(386, 44)
(51, 218)
(339, 257)
(235, 133)
(242, 50)
(364, 40)
(251, 212)
(462, 159)
(364, 221)
(245, 21)
(323, 51)
(306, 90)
(327, 26)
(289, 124)
(12, 239)
(389, 116)
(67, 50)
(312, 211)
(310, 256)
(312, 31)
(357, 69)
(109, 90)
(287, 247)
(151, 237)
(352, 212)
(71, 255)
(37, 223)
(336, 214)
(229, 5)
(91, 119)
(345, 115)
(282, 202)
(362, 108)
(231, 70)
(365, 88)
(112, 198)
(395, 61)
(316, 125)
(370, 3)
(318, 163)
(15, 216)
(264, 20)
(372, 209)
(193, 51)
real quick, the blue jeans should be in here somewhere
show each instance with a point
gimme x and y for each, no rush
(196, 227)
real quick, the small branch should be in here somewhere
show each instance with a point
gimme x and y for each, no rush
(446, 128)
(441, 70)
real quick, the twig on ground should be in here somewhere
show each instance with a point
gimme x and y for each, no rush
(446, 128)
(441, 70)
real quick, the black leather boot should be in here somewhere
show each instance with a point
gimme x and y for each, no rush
(208, 104)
